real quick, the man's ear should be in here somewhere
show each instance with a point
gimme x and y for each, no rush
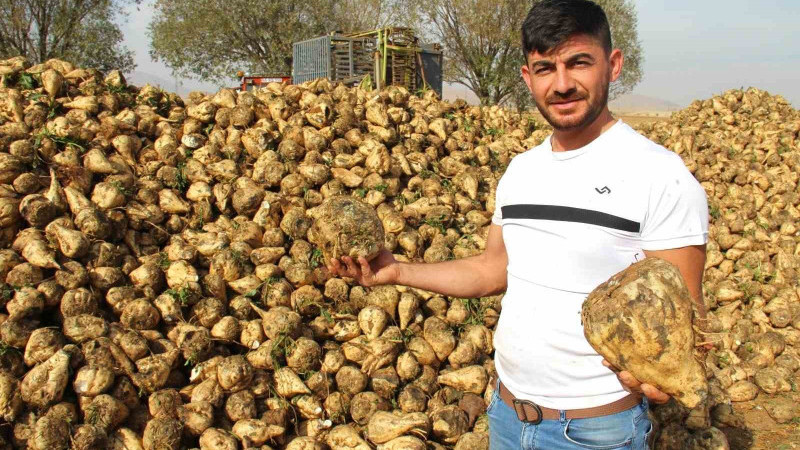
(616, 60)
(526, 75)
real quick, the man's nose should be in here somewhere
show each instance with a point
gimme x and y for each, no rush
(564, 83)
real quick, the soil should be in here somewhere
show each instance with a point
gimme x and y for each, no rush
(761, 431)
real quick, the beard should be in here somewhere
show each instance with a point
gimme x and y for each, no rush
(594, 108)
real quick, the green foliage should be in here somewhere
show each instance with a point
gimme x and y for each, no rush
(326, 315)
(494, 132)
(92, 414)
(437, 222)
(163, 261)
(214, 40)
(447, 185)
(238, 258)
(65, 141)
(84, 32)
(181, 182)
(182, 295)
(425, 174)
(281, 347)
(714, 211)
(316, 258)
(161, 104)
(5, 348)
(26, 81)
(121, 188)
(759, 274)
(476, 308)
(35, 96)
(191, 360)
(6, 292)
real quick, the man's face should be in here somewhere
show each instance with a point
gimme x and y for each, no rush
(569, 84)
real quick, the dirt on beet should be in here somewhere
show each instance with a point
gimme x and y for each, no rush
(640, 320)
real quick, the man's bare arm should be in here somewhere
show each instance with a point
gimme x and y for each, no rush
(691, 262)
(476, 276)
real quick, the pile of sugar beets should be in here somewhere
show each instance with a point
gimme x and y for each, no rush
(744, 149)
(161, 289)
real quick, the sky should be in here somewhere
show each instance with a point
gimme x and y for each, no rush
(693, 49)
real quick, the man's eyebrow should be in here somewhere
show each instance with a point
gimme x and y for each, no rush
(578, 56)
(541, 63)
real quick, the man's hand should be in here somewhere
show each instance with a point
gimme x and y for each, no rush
(631, 384)
(383, 269)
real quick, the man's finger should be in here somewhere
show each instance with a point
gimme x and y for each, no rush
(352, 270)
(609, 366)
(653, 394)
(629, 380)
(333, 266)
(366, 270)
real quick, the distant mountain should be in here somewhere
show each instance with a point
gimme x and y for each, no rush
(452, 92)
(138, 78)
(629, 103)
(636, 103)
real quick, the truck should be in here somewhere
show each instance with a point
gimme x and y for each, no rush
(389, 56)
(250, 82)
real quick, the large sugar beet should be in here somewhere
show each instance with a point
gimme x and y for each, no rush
(346, 226)
(640, 320)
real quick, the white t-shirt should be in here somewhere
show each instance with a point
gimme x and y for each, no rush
(570, 221)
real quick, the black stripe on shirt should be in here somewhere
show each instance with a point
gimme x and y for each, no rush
(569, 214)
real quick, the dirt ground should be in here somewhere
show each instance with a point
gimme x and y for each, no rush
(639, 118)
(633, 119)
(759, 430)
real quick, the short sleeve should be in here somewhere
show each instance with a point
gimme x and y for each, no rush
(497, 217)
(499, 197)
(677, 211)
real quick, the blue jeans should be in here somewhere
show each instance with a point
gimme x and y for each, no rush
(628, 429)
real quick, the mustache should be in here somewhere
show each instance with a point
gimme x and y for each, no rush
(564, 97)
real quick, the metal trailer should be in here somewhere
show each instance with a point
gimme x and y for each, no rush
(430, 67)
(390, 56)
(251, 82)
(336, 57)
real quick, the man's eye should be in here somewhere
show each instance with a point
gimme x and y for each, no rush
(541, 70)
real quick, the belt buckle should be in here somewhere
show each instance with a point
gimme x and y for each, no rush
(519, 408)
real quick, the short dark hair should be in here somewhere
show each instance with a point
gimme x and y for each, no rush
(551, 22)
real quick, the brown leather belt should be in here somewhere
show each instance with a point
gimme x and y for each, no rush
(530, 412)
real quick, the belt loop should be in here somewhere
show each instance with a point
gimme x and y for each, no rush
(562, 415)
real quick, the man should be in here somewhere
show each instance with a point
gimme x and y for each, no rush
(589, 201)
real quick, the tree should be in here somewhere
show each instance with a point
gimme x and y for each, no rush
(214, 39)
(481, 40)
(366, 15)
(84, 32)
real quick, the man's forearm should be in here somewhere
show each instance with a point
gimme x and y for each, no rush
(462, 278)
